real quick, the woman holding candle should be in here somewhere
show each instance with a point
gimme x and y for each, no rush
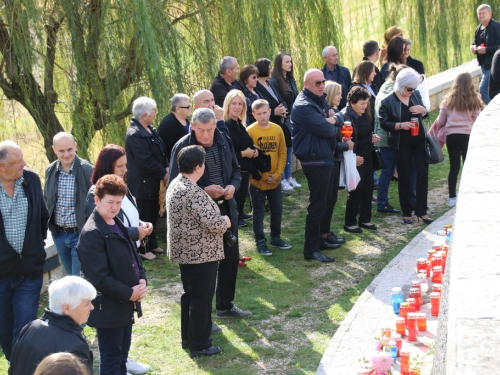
(395, 114)
(359, 200)
(457, 115)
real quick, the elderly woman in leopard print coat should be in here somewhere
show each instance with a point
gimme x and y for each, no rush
(194, 240)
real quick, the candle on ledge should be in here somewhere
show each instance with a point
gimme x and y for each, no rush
(412, 327)
(422, 321)
(400, 326)
(435, 300)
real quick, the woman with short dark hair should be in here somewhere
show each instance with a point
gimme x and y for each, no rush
(111, 264)
(395, 54)
(248, 76)
(365, 73)
(194, 241)
(359, 200)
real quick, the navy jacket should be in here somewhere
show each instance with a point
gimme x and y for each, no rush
(314, 138)
(492, 43)
(344, 80)
(30, 262)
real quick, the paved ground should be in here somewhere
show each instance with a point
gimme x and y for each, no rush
(373, 310)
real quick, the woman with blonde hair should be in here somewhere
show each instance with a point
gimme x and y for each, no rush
(333, 92)
(457, 114)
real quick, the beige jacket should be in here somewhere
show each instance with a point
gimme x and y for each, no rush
(194, 224)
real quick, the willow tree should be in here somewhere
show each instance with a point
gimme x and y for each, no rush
(92, 58)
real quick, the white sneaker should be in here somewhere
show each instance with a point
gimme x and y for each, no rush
(134, 367)
(452, 202)
(293, 182)
(285, 185)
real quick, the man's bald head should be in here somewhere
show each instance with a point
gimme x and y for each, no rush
(62, 135)
(314, 81)
(64, 146)
(203, 99)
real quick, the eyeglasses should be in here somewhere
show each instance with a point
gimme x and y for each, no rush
(410, 89)
(319, 83)
(185, 107)
(254, 77)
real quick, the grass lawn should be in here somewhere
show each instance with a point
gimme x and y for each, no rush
(297, 306)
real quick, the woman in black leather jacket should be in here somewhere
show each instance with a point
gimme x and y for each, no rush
(395, 113)
(360, 199)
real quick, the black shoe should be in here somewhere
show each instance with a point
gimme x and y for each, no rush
(185, 344)
(242, 223)
(389, 209)
(370, 227)
(354, 230)
(407, 221)
(332, 238)
(319, 256)
(329, 246)
(210, 351)
(427, 221)
(246, 216)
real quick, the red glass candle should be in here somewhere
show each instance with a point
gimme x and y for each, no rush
(428, 269)
(435, 300)
(413, 304)
(430, 254)
(437, 288)
(437, 247)
(347, 129)
(400, 325)
(443, 255)
(421, 264)
(405, 362)
(422, 321)
(404, 309)
(437, 260)
(446, 248)
(399, 342)
(416, 284)
(437, 274)
(412, 327)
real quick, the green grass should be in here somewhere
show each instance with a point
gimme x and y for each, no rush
(297, 306)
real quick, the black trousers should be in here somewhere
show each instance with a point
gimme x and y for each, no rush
(149, 212)
(404, 156)
(241, 195)
(318, 180)
(331, 199)
(228, 268)
(457, 145)
(359, 201)
(198, 281)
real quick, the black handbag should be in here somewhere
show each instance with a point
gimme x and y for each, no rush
(262, 161)
(378, 161)
(433, 151)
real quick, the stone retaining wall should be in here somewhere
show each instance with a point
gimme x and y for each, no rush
(469, 334)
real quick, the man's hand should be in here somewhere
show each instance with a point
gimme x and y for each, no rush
(229, 192)
(219, 113)
(332, 120)
(143, 231)
(350, 143)
(214, 191)
(481, 50)
(359, 160)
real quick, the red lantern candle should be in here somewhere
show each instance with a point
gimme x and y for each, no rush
(421, 264)
(435, 300)
(400, 325)
(443, 262)
(430, 254)
(428, 269)
(412, 327)
(405, 362)
(418, 293)
(413, 304)
(437, 260)
(446, 248)
(404, 309)
(422, 321)
(437, 288)
(399, 342)
(437, 274)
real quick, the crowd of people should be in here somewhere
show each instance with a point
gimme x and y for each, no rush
(235, 147)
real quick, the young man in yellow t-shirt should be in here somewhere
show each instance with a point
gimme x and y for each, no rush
(268, 137)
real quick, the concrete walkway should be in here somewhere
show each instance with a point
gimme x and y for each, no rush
(373, 310)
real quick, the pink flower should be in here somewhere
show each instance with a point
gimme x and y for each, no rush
(382, 363)
(379, 345)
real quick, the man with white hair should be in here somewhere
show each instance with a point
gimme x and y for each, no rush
(332, 71)
(67, 182)
(205, 99)
(314, 142)
(175, 125)
(59, 329)
(226, 80)
(486, 42)
(23, 229)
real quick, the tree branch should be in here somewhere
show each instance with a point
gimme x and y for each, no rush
(192, 13)
(52, 27)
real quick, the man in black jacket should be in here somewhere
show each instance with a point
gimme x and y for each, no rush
(494, 86)
(221, 180)
(59, 329)
(332, 71)
(314, 142)
(485, 44)
(226, 80)
(67, 182)
(371, 52)
(23, 229)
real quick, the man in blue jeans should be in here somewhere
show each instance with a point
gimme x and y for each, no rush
(486, 42)
(23, 229)
(67, 182)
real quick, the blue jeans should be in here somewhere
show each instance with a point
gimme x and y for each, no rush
(114, 344)
(274, 197)
(287, 173)
(66, 248)
(484, 85)
(19, 300)
(389, 156)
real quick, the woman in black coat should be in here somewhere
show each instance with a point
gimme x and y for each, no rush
(110, 263)
(359, 200)
(395, 113)
(147, 164)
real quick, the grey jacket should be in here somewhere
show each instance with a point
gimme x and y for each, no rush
(386, 89)
(83, 171)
